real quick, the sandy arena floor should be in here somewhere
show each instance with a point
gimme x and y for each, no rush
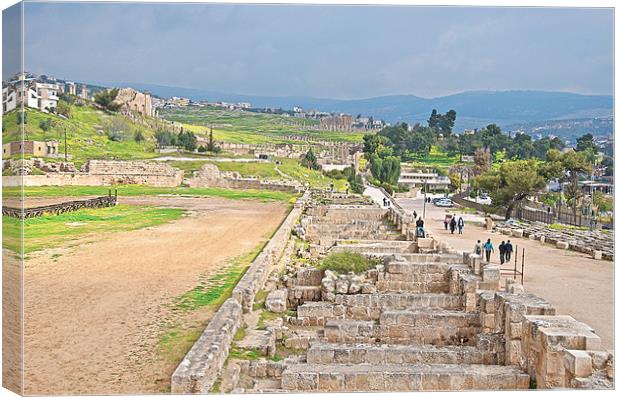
(93, 314)
(574, 283)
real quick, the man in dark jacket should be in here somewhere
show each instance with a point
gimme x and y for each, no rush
(502, 253)
(508, 251)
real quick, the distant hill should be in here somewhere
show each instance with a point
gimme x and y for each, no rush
(475, 109)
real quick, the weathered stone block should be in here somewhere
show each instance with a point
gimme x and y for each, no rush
(598, 255)
(276, 301)
(517, 233)
(578, 363)
(562, 245)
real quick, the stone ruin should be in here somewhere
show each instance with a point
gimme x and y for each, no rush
(599, 244)
(425, 317)
(92, 173)
(209, 175)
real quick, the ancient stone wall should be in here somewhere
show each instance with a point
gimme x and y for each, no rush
(106, 173)
(210, 176)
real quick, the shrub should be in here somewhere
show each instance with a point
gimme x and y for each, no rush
(106, 99)
(138, 137)
(345, 262)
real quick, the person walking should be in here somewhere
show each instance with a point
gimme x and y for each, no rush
(445, 223)
(452, 225)
(461, 224)
(508, 251)
(478, 248)
(415, 215)
(488, 250)
(419, 227)
(502, 252)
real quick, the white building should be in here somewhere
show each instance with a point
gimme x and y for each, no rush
(431, 180)
(47, 96)
(25, 90)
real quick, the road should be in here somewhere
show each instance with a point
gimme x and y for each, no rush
(549, 272)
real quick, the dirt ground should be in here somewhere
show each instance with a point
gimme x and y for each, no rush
(93, 313)
(574, 283)
(11, 322)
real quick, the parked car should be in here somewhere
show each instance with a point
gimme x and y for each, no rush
(445, 202)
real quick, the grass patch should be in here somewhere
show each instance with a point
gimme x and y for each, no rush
(559, 226)
(52, 231)
(142, 190)
(259, 299)
(175, 343)
(216, 288)
(245, 354)
(210, 294)
(345, 262)
(266, 315)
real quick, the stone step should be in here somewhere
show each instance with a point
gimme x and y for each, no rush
(411, 377)
(356, 331)
(417, 287)
(405, 327)
(360, 353)
(436, 327)
(370, 306)
(412, 268)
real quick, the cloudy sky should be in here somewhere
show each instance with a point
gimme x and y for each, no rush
(323, 51)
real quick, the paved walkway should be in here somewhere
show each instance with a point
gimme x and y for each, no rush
(375, 194)
(573, 282)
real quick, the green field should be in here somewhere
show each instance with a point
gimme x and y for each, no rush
(240, 126)
(52, 231)
(86, 134)
(141, 190)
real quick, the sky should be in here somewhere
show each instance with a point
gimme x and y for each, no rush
(323, 51)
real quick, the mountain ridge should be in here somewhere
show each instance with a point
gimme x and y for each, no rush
(475, 108)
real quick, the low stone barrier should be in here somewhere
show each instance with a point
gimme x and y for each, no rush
(60, 208)
(202, 364)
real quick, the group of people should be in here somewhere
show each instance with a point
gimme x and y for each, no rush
(454, 224)
(505, 250)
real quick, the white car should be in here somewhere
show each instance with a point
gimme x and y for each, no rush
(446, 202)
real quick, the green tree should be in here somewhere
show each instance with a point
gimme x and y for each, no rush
(482, 161)
(187, 140)
(137, 136)
(569, 167)
(46, 124)
(309, 160)
(513, 182)
(386, 170)
(521, 147)
(356, 183)
(586, 142)
(106, 99)
(165, 138)
(63, 108)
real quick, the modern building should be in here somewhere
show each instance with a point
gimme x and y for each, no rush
(47, 96)
(431, 180)
(83, 92)
(26, 90)
(70, 88)
(35, 148)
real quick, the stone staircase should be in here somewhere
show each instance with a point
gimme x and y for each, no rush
(427, 319)
(411, 334)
